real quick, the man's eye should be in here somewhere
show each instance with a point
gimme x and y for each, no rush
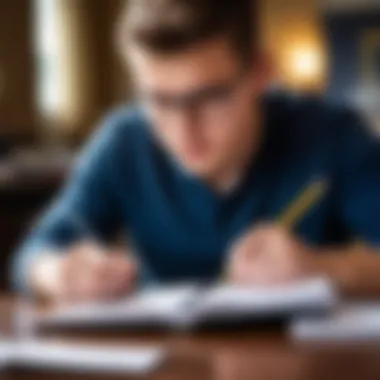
(219, 95)
(161, 101)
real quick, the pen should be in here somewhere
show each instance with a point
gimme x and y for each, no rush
(91, 236)
(79, 223)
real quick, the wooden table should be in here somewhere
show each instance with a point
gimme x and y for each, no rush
(257, 355)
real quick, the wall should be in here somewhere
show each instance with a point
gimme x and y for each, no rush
(17, 110)
(91, 77)
(345, 33)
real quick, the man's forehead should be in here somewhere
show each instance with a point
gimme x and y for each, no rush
(202, 63)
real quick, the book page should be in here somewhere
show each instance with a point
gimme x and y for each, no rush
(151, 305)
(308, 294)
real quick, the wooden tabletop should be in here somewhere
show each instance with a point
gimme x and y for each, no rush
(258, 354)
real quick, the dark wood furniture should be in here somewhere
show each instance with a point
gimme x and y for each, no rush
(22, 198)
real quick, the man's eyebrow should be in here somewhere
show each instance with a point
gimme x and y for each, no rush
(211, 88)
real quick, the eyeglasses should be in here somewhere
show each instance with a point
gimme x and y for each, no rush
(207, 101)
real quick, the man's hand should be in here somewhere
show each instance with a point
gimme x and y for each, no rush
(85, 273)
(267, 255)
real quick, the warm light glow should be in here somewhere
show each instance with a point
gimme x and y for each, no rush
(306, 64)
(46, 45)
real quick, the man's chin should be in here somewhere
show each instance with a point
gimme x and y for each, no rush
(200, 170)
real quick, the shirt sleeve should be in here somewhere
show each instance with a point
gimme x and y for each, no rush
(359, 179)
(87, 207)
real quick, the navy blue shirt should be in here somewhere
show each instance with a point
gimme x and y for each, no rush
(181, 229)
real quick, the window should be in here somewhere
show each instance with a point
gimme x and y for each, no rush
(47, 56)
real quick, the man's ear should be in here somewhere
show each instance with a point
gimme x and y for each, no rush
(262, 72)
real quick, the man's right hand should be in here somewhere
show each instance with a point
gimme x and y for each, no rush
(85, 273)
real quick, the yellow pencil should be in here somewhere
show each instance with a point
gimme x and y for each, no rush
(302, 204)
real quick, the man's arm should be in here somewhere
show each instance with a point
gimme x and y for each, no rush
(270, 253)
(356, 269)
(358, 185)
(88, 205)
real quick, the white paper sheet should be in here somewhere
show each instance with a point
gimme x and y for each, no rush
(182, 306)
(312, 294)
(74, 357)
(150, 306)
(351, 322)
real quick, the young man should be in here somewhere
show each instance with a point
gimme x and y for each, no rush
(201, 173)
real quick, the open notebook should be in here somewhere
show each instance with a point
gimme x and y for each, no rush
(187, 306)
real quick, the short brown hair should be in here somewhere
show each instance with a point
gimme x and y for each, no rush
(166, 26)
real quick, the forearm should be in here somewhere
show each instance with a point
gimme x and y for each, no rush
(355, 269)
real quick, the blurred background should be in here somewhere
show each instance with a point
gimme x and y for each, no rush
(59, 73)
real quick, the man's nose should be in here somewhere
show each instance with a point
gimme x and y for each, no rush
(186, 120)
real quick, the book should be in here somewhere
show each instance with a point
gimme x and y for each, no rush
(188, 306)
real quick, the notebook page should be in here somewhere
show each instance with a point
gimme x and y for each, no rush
(153, 305)
(313, 293)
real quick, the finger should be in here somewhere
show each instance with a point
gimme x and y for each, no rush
(242, 271)
(112, 277)
(66, 280)
(243, 260)
(86, 251)
(124, 274)
(80, 265)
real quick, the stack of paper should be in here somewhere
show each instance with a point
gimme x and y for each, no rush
(74, 357)
(350, 322)
(155, 306)
(187, 306)
(310, 296)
